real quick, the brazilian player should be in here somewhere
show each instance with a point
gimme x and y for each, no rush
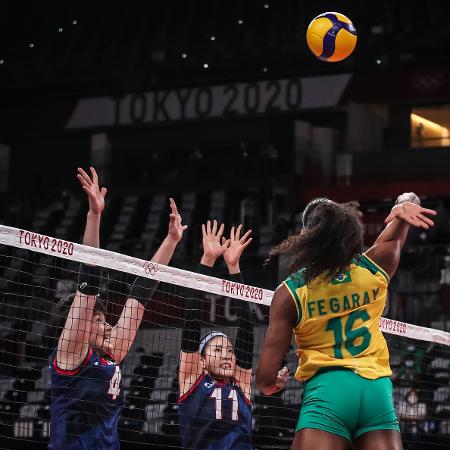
(215, 376)
(333, 305)
(87, 393)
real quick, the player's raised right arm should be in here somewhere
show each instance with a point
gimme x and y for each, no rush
(387, 247)
(124, 332)
(73, 343)
(243, 347)
(190, 365)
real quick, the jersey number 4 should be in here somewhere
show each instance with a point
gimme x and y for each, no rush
(335, 325)
(217, 396)
(114, 384)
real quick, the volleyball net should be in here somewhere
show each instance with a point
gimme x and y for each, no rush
(37, 271)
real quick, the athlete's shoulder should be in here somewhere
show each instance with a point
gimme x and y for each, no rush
(296, 280)
(297, 290)
(366, 263)
(89, 359)
(204, 380)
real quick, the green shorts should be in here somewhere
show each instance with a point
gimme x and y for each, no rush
(341, 402)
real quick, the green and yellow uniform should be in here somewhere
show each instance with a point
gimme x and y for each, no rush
(337, 330)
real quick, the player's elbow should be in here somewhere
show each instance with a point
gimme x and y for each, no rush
(266, 389)
(265, 385)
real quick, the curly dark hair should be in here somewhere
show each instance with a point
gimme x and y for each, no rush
(332, 235)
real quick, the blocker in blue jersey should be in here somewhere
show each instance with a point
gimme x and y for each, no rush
(86, 404)
(87, 393)
(215, 415)
(215, 376)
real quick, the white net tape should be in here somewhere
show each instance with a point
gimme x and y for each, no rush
(81, 253)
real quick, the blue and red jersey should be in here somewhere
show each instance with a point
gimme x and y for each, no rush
(85, 404)
(214, 416)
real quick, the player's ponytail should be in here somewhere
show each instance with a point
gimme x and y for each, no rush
(332, 235)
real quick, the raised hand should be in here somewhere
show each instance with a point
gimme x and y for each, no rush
(236, 246)
(412, 213)
(176, 229)
(213, 247)
(96, 196)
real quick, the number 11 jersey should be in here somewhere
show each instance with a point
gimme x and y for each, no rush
(215, 416)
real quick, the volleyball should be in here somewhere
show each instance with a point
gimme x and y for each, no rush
(331, 37)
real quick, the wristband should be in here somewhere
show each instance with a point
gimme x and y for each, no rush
(236, 277)
(143, 289)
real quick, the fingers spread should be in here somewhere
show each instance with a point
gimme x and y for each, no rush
(422, 224)
(246, 235)
(246, 244)
(82, 180)
(94, 175)
(426, 220)
(413, 221)
(431, 212)
(238, 232)
(220, 232)
(85, 176)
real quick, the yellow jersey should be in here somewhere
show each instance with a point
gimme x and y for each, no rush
(338, 321)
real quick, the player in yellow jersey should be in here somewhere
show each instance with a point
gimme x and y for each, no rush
(333, 303)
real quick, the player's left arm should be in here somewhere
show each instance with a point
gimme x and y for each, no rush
(269, 378)
(124, 332)
(73, 343)
(243, 346)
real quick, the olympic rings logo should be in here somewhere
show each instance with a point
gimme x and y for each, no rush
(150, 268)
(428, 83)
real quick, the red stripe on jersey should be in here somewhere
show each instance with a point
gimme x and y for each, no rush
(192, 388)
